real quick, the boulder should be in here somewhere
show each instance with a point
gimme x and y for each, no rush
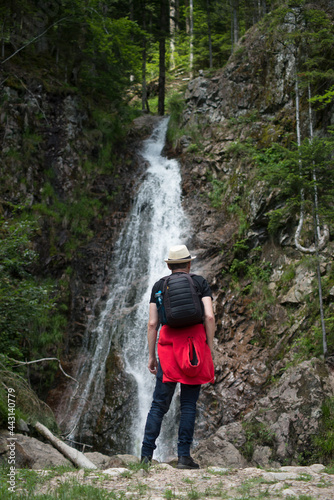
(219, 452)
(30, 453)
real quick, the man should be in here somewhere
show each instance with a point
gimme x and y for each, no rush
(177, 365)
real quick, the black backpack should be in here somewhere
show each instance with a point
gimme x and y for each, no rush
(181, 301)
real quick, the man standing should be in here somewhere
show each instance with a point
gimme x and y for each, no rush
(185, 356)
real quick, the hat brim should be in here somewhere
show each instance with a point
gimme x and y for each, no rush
(179, 261)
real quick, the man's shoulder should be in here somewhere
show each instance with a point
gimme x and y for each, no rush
(203, 284)
(158, 285)
(160, 281)
(197, 277)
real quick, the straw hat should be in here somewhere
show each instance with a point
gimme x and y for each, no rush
(179, 254)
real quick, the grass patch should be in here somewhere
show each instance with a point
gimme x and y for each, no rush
(323, 441)
(169, 494)
(257, 434)
(193, 494)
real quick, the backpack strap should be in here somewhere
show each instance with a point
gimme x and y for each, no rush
(164, 280)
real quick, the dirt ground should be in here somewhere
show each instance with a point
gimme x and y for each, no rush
(162, 481)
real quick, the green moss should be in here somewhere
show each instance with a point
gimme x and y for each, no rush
(27, 404)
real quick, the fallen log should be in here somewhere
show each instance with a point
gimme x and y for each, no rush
(72, 454)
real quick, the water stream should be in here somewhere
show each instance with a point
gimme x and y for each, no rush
(155, 222)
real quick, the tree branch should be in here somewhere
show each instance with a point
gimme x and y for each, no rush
(33, 40)
(72, 454)
(45, 359)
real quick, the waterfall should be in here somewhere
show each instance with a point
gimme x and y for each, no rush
(155, 222)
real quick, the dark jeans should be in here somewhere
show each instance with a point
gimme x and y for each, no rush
(162, 397)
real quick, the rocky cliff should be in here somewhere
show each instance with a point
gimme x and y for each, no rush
(265, 291)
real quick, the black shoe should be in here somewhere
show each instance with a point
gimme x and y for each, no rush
(186, 463)
(146, 460)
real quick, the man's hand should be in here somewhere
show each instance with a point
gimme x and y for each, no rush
(153, 365)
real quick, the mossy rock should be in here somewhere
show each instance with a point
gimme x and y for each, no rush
(27, 404)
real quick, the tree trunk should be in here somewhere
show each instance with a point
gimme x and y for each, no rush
(144, 101)
(72, 454)
(318, 238)
(162, 57)
(321, 238)
(264, 7)
(317, 233)
(191, 38)
(172, 29)
(302, 201)
(209, 32)
(234, 23)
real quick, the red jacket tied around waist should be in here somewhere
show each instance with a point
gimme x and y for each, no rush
(185, 356)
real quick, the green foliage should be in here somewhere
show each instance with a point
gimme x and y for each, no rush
(291, 171)
(175, 105)
(30, 143)
(168, 494)
(241, 149)
(27, 405)
(323, 441)
(111, 47)
(76, 216)
(307, 345)
(28, 478)
(137, 466)
(26, 302)
(306, 28)
(235, 208)
(324, 98)
(193, 494)
(216, 195)
(317, 335)
(247, 263)
(220, 22)
(257, 434)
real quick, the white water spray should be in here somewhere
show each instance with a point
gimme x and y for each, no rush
(155, 222)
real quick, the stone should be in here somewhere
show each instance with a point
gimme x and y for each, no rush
(115, 471)
(218, 452)
(233, 433)
(261, 456)
(22, 426)
(303, 286)
(101, 461)
(32, 453)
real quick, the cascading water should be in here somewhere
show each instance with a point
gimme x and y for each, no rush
(155, 222)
